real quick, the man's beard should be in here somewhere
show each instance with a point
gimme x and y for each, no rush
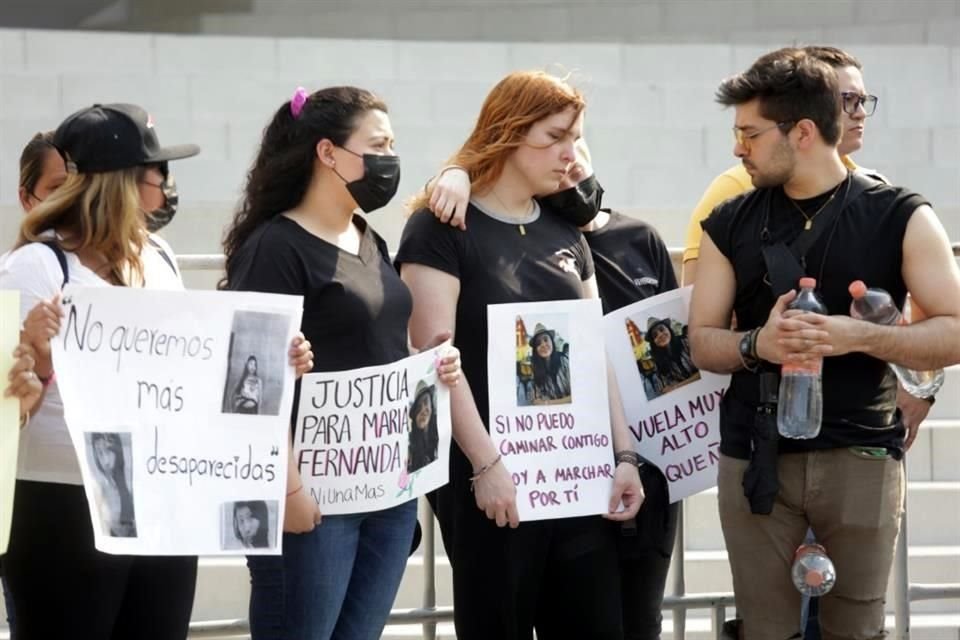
(779, 169)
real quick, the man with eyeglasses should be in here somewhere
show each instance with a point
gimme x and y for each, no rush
(857, 107)
(810, 216)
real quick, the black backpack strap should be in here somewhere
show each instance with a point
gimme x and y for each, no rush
(786, 265)
(163, 254)
(61, 258)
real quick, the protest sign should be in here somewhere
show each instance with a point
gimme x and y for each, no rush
(372, 438)
(549, 411)
(9, 411)
(178, 404)
(672, 408)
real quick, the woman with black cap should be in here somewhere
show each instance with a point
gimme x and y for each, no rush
(90, 231)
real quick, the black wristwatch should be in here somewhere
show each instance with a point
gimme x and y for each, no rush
(748, 350)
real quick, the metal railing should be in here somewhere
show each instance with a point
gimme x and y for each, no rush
(428, 615)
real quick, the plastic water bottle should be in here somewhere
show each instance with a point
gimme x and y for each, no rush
(876, 305)
(800, 402)
(813, 573)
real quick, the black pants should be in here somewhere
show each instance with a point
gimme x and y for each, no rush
(63, 587)
(644, 551)
(556, 576)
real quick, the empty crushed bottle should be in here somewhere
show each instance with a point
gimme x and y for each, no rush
(877, 306)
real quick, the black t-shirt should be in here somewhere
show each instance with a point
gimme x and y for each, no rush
(865, 242)
(632, 261)
(355, 307)
(496, 263)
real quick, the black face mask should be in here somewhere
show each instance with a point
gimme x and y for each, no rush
(161, 217)
(577, 205)
(381, 178)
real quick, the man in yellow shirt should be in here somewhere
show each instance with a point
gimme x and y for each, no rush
(857, 107)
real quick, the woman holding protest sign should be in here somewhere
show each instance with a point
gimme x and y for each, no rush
(552, 575)
(322, 156)
(90, 231)
(632, 264)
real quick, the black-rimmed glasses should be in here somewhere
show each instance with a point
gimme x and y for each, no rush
(853, 100)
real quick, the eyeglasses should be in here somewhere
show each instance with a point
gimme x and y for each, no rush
(147, 182)
(852, 100)
(743, 139)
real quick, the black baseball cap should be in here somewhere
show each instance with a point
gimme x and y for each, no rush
(110, 137)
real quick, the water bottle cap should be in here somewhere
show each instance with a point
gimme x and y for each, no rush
(808, 548)
(857, 289)
(813, 578)
(808, 283)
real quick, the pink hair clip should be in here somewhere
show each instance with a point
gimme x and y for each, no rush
(297, 101)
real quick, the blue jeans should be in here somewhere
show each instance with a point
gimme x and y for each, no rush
(337, 582)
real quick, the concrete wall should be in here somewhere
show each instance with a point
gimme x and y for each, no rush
(673, 21)
(656, 135)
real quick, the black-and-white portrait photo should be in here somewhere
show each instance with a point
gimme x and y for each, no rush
(422, 432)
(110, 459)
(543, 361)
(256, 363)
(248, 524)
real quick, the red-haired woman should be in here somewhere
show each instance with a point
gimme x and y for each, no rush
(559, 577)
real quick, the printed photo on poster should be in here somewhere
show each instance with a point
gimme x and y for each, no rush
(256, 363)
(675, 423)
(248, 524)
(424, 436)
(543, 360)
(555, 445)
(372, 438)
(662, 349)
(109, 456)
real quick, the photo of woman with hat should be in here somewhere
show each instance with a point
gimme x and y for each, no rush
(670, 352)
(551, 367)
(424, 436)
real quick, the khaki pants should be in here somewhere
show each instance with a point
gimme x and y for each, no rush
(853, 503)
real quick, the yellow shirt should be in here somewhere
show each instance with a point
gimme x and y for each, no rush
(728, 184)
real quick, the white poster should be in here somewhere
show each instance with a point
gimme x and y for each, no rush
(373, 438)
(9, 411)
(673, 409)
(549, 411)
(178, 404)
